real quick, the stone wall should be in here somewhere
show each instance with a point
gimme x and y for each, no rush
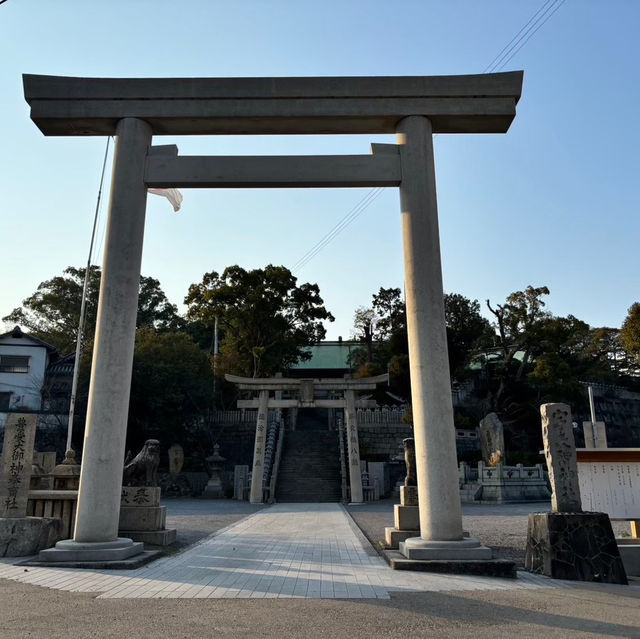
(236, 442)
(382, 442)
(621, 417)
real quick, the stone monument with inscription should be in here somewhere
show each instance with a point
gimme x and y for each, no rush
(492, 439)
(21, 535)
(568, 543)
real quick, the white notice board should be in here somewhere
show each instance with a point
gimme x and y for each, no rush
(610, 486)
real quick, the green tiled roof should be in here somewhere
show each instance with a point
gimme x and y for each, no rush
(328, 355)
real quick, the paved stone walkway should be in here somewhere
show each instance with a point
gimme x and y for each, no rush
(287, 550)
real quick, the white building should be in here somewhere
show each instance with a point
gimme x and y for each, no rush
(23, 364)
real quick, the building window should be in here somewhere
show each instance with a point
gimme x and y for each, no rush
(14, 364)
(5, 400)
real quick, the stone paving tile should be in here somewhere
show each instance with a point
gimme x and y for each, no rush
(286, 551)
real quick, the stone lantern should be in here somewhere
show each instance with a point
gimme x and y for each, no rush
(213, 489)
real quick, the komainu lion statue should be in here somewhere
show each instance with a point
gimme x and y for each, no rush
(142, 470)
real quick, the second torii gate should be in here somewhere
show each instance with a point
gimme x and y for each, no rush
(305, 389)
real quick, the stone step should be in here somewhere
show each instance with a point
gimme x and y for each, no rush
(310, 467)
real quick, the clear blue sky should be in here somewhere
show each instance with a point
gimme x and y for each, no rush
(553, 202)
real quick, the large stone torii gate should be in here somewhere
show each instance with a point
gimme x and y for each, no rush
(136, 109)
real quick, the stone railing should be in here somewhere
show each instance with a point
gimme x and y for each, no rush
(509, 473)
(240, 416)
(273, 481)
(384, 415)
(503, 483)
(55, 503)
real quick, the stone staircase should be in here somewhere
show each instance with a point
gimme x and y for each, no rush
(310, 464)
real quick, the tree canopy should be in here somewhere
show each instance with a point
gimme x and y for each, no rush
(382, 329)
(266, 319)
(630, 334)
(52, 313)
(171, 387)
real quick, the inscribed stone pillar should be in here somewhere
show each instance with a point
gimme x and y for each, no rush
(106, 425)
(434, 433)
(353, 447)
(15, 471)
(560, 453)
(256, 495)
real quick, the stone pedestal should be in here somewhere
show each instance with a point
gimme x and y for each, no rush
(23, 536)
(142, 518)
(406, 518)
(576, 546)
(629, 549)
(77, 551)
(66, 476)
(462, 549)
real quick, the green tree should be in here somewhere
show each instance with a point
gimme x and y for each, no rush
(171, 388)
(517, 322)
(364, 330)
(467, 331)
(266, 319)
(383, 330)
(562, 359)
(52, 313)
(630, 334)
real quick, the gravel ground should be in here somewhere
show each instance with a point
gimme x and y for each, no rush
(501, 527)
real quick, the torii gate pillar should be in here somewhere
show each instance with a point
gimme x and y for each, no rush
(441, 534)
(96, 530)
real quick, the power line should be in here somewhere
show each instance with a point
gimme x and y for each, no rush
(492, 66)
(338, 227)
(540, 24)
(508, 52)
(355, 212)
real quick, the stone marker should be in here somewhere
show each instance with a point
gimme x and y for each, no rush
(240, 479)
(15, 472)
(567, 543)
(560, 453)
(491, 439)
(176, 459)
